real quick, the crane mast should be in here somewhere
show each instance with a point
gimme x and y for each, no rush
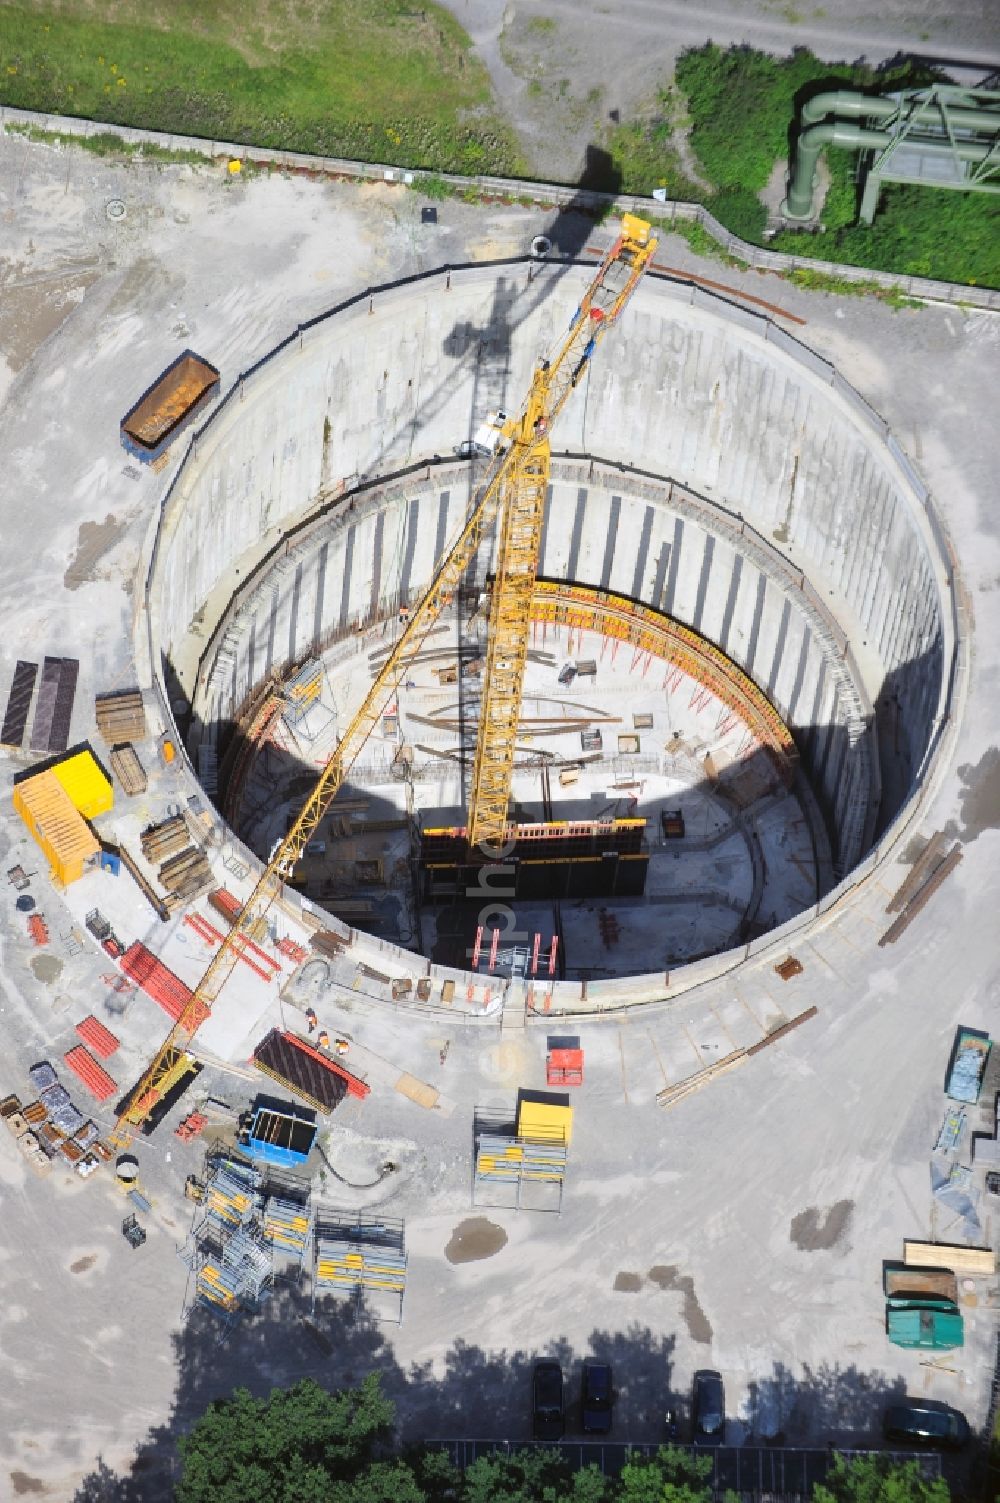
(523, 485)
(513, 494)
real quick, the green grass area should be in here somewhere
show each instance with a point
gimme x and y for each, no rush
(642, 157)
(375, 80)
(743, 103)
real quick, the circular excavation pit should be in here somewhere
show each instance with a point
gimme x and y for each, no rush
(735, 677)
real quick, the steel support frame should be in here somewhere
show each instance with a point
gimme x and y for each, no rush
(970, 177)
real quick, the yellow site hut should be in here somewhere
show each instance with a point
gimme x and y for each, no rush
(88, 787)
(54, 818)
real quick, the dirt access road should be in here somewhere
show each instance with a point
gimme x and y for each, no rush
(561, 68)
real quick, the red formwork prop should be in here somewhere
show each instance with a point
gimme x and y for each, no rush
(225, 903)
(100, 1039)
(85, 1067)
(244, 947)
(159, 982)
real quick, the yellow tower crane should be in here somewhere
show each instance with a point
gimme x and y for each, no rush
(513, 495)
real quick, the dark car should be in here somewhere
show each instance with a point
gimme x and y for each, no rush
(708, 1409)
(921, 1422)
(547, 1401)
(596, 1398)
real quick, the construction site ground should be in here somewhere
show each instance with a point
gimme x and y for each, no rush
(744, 1228)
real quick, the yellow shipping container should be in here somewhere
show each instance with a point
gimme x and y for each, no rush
(60, 829)
(545, 1122)
(83, 779)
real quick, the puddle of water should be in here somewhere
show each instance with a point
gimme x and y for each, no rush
(627, 1283)
(473, 1239)
(82, 1264)
(697, 1322)
(46, 967)
(815, 1230)
(24, 1485)
(94, 540)
(981, 796)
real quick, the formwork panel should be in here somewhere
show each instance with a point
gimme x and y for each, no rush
(18, 703)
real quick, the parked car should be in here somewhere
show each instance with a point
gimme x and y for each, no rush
(596, 1398)
(547, 1401)
(708, 1409)
(921, 1422)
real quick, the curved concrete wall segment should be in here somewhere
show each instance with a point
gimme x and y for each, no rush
(709, 465)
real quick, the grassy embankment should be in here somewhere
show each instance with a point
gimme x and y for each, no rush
(373, 80)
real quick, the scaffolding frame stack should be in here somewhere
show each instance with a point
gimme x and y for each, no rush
(231, 1262)
(287, 1224)
(512, 1162)
(365, 1260)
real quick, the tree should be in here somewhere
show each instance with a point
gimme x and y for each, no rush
(536, 1476)
(299, 1445)
(671, 1476)
(876, 1479)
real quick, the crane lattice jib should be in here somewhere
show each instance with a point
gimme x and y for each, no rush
(523, 490)
(608, 293)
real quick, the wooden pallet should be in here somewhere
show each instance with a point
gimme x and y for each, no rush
(121, 716)
(164, 840)
(128, 769)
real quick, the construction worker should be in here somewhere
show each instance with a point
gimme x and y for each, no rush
(311, 1020)
(324, 1039)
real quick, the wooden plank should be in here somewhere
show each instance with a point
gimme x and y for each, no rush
(417, 1090)
(920, 868)
(981, 1261)
(924, 896)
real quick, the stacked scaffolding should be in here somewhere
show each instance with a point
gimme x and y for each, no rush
(508, 1164)
(229, 1257)
(365, 1260)
(231, 1194)
(287, 1225)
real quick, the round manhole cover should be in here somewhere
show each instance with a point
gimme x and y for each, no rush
(115, 208)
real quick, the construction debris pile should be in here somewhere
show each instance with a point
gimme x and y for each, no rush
(51, 1126)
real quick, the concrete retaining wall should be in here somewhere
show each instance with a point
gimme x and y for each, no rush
(803, 544)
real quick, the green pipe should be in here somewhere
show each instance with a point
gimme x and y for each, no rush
(798, 204)
(854, 106)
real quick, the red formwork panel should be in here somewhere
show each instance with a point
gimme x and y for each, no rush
(564, 1067)
(100, 1039)
(355, 1087)
(159, 982)
(85, 1067)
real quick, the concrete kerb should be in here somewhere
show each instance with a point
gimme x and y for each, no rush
(543, 195)
(597, 997)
